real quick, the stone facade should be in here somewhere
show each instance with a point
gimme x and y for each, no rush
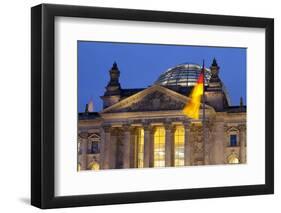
(123, 134)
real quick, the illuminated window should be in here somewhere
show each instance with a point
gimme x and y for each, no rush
(233, 140)
(78, 167)
(233, 159)
(179, 146)
(139, 146)
(159, 147)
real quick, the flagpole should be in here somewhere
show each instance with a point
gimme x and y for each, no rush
(204, 114)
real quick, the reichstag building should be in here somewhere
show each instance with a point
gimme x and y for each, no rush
(145, 127)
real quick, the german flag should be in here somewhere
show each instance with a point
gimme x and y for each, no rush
(192, 107)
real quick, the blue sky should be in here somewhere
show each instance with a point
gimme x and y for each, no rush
(141, 64)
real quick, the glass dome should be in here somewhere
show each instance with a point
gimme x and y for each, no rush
(183, 75)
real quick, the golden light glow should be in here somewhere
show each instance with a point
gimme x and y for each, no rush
(159, 147)
(139, 146)
(179, 146)
(95, 166)
(233, 159)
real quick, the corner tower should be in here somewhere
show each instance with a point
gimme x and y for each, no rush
(215, 91)
(113, 89)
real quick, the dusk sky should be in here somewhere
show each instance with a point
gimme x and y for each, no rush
(141, 64)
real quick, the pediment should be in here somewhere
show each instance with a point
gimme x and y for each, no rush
(155, 98)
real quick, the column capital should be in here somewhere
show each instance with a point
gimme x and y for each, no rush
(168, 126)
(127, 127)
(107, 128)
(147, 127)
(186, 125)
(195, 127)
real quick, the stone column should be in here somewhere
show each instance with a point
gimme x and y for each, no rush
(187, 145)
(151, 147)
(84, 150)
(168, 145)
(133, 153)
(102, 148)
(126, 151)
(147, 144)
(219, 143)
(107, 148)
(207, 143)
(242, 140)
(114, 134)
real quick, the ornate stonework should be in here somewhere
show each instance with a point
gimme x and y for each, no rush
(155, 101)
(121, 146)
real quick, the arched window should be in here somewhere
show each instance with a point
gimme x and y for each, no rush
(233, 159)
(159, 147)
(94, 144)
(139, 146)
(233, 137)
(179, 146)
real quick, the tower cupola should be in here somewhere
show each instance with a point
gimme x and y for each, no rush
(113, 89)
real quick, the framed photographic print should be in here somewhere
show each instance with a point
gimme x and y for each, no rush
(139, 106)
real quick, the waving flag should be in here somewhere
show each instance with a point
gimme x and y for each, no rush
(192, 107)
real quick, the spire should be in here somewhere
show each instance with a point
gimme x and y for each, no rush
(241, 103)
(113, 89)
(114, 75)
(114, 66)
(86, 108)
(214, 70)
(215, 94)
(91, 106)
(214, 64)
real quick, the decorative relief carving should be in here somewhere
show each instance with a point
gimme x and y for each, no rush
(169, 127)
(242, 127)
(197, 139)
(209, 124)
(198, 147)
(84, 135)
(229, 129)
(155, 101)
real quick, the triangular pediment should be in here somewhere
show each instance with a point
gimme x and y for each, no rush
(155, 98)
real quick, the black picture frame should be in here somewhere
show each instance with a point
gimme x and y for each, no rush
(43, 111)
